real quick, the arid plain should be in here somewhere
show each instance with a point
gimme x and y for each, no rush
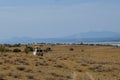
(62, 62)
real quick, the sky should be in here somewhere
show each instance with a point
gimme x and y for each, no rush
(57, 18)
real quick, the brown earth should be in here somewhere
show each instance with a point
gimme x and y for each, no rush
(64, 62)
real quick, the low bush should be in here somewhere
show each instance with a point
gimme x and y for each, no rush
(14, 74)
(30, 76)
(21, 68)
(28, 49)
(82, 50)
(16, 45)
(71, 49)
(41, 64)
(102, 68)
(16, 50)
(47, 49)
(58, 65)
(29, 70)
(3, 49)
(79, 70)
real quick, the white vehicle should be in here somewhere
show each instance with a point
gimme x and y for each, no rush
(38, 52)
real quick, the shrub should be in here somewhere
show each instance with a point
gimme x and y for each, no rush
(58, 66)
(1, 63)
(30, 76)
(21, 68)
(82, 50)
(71, 49)
(47, 49)
(16, 45)
(79, 70)
(8, 45)
(84, 64)
(56, 75)
(29, 70)
(16, 50)
(3, 49)
(102, 68)
(41, 64)
(6, 61)
(49, 78)
(14, 74)
(28, 49)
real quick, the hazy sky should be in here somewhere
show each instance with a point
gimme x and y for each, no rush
(57, 18)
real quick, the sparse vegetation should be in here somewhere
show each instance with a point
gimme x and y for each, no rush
(58, 65)
(14, 74)
(30, 76)
(3, 49)
(99, 61)
(16, 45)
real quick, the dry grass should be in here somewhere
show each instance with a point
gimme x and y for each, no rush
(64, 62)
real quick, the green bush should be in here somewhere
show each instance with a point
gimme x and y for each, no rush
(47, 49)
(16, 50)
(3, 49)
(28, 49)
(16, 45)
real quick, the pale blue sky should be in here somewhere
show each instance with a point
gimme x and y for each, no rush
(57, 18)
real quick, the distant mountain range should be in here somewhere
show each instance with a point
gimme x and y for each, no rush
(76, 38)
(103, 34)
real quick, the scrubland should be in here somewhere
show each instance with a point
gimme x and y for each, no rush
(62, 62)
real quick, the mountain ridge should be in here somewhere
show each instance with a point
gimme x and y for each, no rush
(76, 38)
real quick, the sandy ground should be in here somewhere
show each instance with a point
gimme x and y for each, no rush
(83, 62)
